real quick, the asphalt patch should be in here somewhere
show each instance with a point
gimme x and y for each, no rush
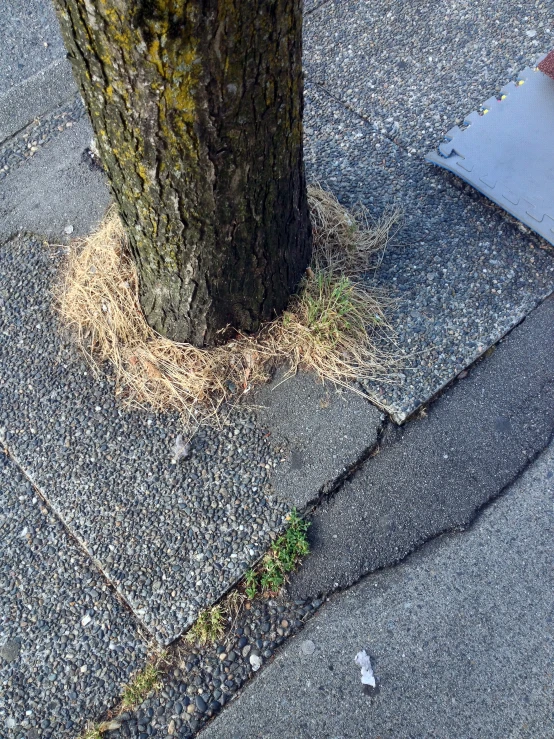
(322, 430)
(55, 190)
(434, 474)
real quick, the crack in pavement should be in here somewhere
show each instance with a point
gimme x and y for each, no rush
(362, 116)
(434, 476)
(93, 562)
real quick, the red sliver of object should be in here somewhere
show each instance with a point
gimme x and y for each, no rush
(547, 65)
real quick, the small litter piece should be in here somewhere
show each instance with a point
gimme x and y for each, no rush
(370, 685)
(181, 449)
(68, 230)
(255, 662)
(363, 661)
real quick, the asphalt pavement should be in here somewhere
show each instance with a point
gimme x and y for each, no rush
(460, 637)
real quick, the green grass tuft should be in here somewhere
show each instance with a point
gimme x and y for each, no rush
(283, 557)
(251, 581)
(208, 627)
(144, 681)
(92, 732)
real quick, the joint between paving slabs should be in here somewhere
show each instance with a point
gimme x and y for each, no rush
(142, 629)
(421, 411)
(360, 115)
(455, 180)
(317, 7)
(327, 491)
(166, 660)
(159, 657)
(233, 608)
(12, 235)
(21, 146)
(386, 436)
(61, 108)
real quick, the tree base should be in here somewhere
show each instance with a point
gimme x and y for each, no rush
(334, 327)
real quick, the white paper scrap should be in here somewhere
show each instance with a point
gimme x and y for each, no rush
(363, 661)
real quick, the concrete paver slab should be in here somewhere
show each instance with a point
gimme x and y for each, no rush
(29, 40)
(460, 636)
(461, 273)
(67, 645)
(172, 538)
(35, 96)
(414, 69)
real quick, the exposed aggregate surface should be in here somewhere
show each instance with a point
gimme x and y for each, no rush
(204, 679)
(462, 273)
(414, 70)
(66, 642)
(172, 538)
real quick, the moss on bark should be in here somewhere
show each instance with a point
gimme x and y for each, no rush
(197, 110)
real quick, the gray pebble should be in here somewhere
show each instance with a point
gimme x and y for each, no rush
(10, 650)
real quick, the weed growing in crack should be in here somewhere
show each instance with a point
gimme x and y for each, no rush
(251, 583)
(92, 732)
(149, 678)
(144, 682)
(283, 557)
(208, 627)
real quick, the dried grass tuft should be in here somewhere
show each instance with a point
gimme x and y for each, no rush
(334, 325)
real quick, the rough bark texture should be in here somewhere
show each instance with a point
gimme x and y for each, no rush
(197, 110)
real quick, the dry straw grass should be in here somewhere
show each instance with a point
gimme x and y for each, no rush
(333, 326)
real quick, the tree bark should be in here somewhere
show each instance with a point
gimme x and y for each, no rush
(197, 110)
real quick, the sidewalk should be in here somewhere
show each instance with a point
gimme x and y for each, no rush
(460, 636)
(123, 549)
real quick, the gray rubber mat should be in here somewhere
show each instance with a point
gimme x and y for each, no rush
(506, 151)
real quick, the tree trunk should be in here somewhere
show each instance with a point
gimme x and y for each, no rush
(197, 110)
